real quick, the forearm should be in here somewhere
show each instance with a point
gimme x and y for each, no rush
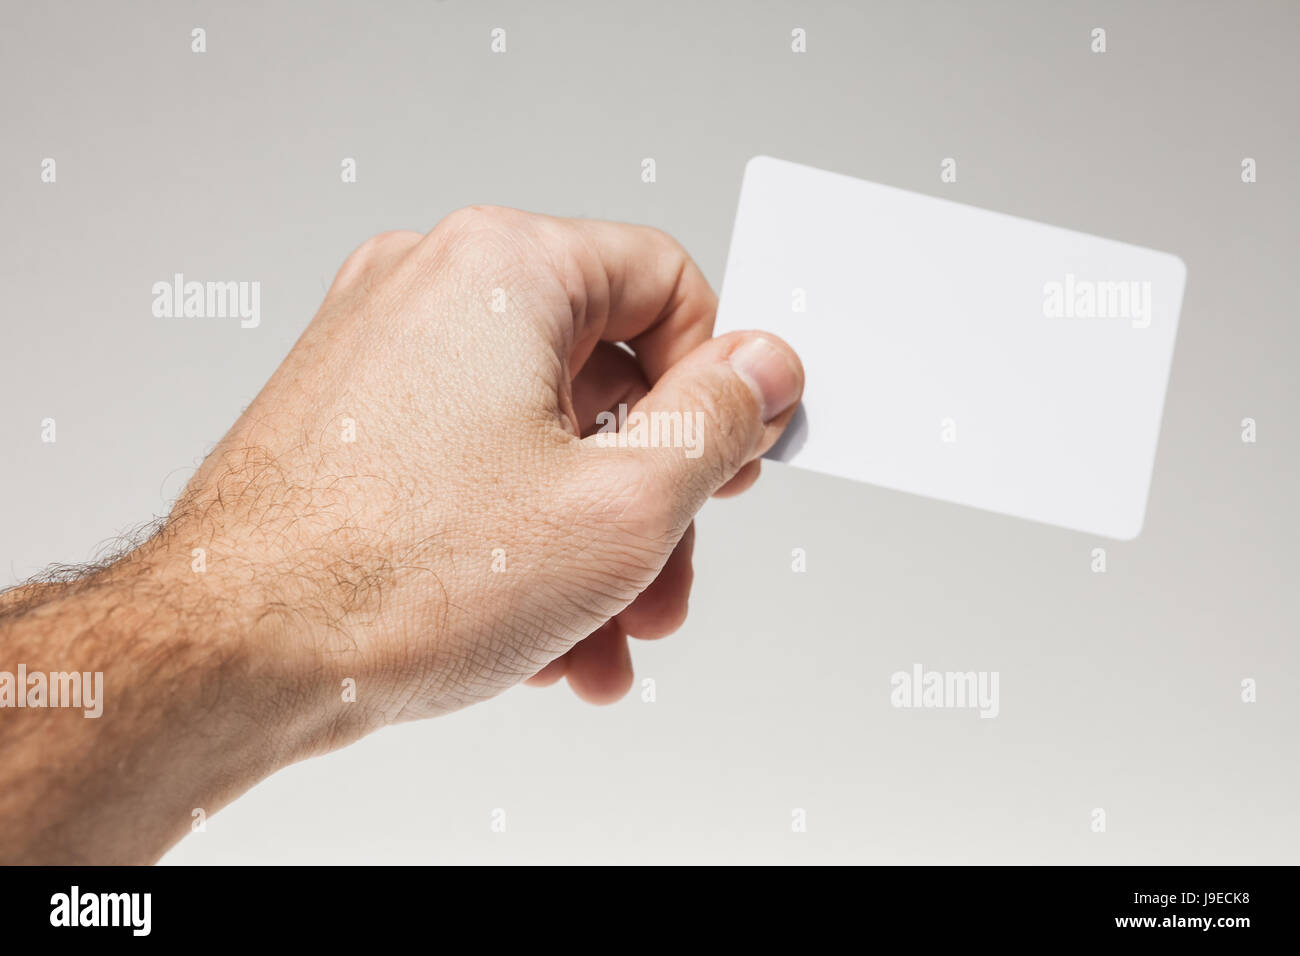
(194, 707)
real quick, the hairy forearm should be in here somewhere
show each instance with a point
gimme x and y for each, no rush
(194, 707)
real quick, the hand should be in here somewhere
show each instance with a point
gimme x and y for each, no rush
(418, 511)
(410, 490)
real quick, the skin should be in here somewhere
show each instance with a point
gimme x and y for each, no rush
(371, 560)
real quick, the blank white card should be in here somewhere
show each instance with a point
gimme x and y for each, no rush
(959, 353)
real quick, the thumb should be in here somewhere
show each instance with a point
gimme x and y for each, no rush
(722, 405)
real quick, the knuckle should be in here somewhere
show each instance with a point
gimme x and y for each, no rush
(375, 254)
(672, 255)
(474, 237)
(393, 240)
(479, 221)
(727, 413)
(383, 246)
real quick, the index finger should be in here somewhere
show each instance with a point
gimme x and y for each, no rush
(633, 284)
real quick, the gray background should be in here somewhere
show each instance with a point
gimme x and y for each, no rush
(1118, 691)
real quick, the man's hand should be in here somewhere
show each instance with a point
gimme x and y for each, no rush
(419, 502)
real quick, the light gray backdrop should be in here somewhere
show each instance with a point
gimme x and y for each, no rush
(1118, 691)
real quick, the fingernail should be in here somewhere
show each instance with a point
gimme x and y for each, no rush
(769, 373)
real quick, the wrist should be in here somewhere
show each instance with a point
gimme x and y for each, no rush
(250, 664)
(272, 635)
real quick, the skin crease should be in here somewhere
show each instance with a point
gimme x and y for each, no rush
(371, 560)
